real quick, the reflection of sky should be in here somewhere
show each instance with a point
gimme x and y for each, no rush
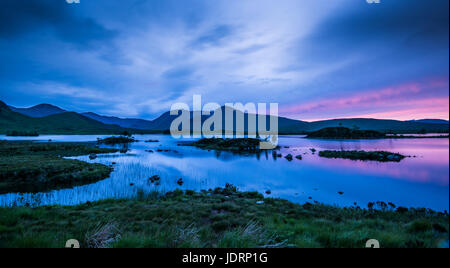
(420, 182)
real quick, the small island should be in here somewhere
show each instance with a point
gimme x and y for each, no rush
(116, 140)
(240, 145)
(345, 133)
(380, 156)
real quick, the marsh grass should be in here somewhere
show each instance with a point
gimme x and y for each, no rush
(40, 167)
(218, 218)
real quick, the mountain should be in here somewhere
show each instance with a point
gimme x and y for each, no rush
(431, 121)
(41, 110)
(291, 126)
(62, 123)
(123, 122)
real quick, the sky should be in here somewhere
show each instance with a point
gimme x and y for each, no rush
(318, 59)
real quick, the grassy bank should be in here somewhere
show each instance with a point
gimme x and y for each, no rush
(218, 218)
(39, 167)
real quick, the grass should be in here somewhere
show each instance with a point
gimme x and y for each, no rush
(380, 156)
(234, 145)
(39, 167)
(116, 140)
(222, 218)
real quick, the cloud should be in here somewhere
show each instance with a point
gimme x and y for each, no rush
(213, 37)
(138, 57)
(407, 100)
(19, 17)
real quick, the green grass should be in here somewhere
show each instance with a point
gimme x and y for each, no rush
(39, 167)
(218, 218)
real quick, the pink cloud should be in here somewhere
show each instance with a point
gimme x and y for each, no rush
(413, 100)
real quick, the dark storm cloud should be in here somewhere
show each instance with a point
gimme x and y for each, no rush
(421, 24)
(19, 17)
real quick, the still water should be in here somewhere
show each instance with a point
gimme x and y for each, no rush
(420, 181)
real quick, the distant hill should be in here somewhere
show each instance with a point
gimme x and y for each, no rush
(431, 121)
(123, 122)
(41, 110)
(381, 125)
(62, 123)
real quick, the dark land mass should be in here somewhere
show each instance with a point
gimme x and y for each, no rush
(220, 218)
(380, 156)
(345, 133)
(22, 134)
(116, 140)
(240, 145)
(39, 167)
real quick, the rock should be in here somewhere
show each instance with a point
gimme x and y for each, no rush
(313, 150)
(289, 157)
(268, 192)
(152, 141)
(149, 151)
(154, 178)
(92, 156)
(341, 193)
(180, 181)
(299, 157)
(131, 184)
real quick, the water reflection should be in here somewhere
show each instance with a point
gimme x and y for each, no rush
(420, 181)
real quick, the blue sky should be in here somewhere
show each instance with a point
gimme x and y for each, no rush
(318, 59)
